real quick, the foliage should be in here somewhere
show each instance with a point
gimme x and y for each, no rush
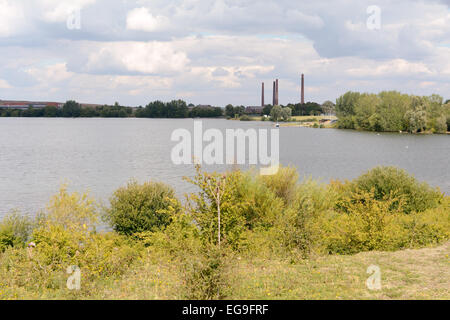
(384, 181)
(142, 207)
(234, 111)
(283, 183)
(65, 236)
(204, 274)
(391, 111)
(286, 113)
(204, 207)
(276, 113)
(298, 226)
(174, 253)
(366, 224)
(15, 230)
(206, 112)
(328, 107)
(71, 109)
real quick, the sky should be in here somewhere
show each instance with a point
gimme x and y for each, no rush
(220, 51)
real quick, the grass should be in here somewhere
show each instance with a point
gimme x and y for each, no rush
(408, 274)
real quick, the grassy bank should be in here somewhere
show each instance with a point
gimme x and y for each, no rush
(407, 274)
(241, 236)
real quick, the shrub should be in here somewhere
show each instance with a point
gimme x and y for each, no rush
(367, 224)
(15, 231)
(385, 181)
(299, 223)
(283, 183)
(204, 207)
(259, 205)
(245, 118)
(370, 224)
(429, 227)
(66, 236)
(204, 274)
(142, 207)
(179, 238)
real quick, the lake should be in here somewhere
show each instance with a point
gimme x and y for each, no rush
(37, 155)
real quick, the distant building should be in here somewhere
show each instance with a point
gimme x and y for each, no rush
(11, 104)
(254, 110)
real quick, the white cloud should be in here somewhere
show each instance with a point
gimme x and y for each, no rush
(136, 57)
(394, 67)
(11, 18)
(219, 51)
(51, 73)
(60, 10)
(142, 20)
(4, 84)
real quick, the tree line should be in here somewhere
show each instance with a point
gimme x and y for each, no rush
(71, 109)
(177, 109)
(156, 109)
(392, 111)
(299, 109)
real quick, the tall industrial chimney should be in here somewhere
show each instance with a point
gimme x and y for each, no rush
(262, 95)
(274, 94)
(303, 89)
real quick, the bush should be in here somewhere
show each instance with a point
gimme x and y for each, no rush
(142, 207)
(66, 236)
(203, 207)
(370, 224)
(367, 224)
(205, 274)
(15, 231)
(245, 118)
(298, 225)
(246, 203)
(283, 183)
(429, 227)
(385, 181)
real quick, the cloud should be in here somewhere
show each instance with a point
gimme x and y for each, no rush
(11, 18)
(61, 10)
(4, 84)
(142, 20)
(135, 57)
(51, 73)
(219, 51)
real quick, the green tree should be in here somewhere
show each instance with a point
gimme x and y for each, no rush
(345, 104)
(267, 109)
(286, 113)
(142, 207)
(71, 109)
(328, 107)
(229, 111)
(276, 113)
(415, 120)
(50, 111)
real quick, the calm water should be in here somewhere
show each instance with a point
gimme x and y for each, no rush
(100, 155)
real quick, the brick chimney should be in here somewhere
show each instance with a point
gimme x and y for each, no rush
(276, 92)
(303, 89)
(262, 95)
